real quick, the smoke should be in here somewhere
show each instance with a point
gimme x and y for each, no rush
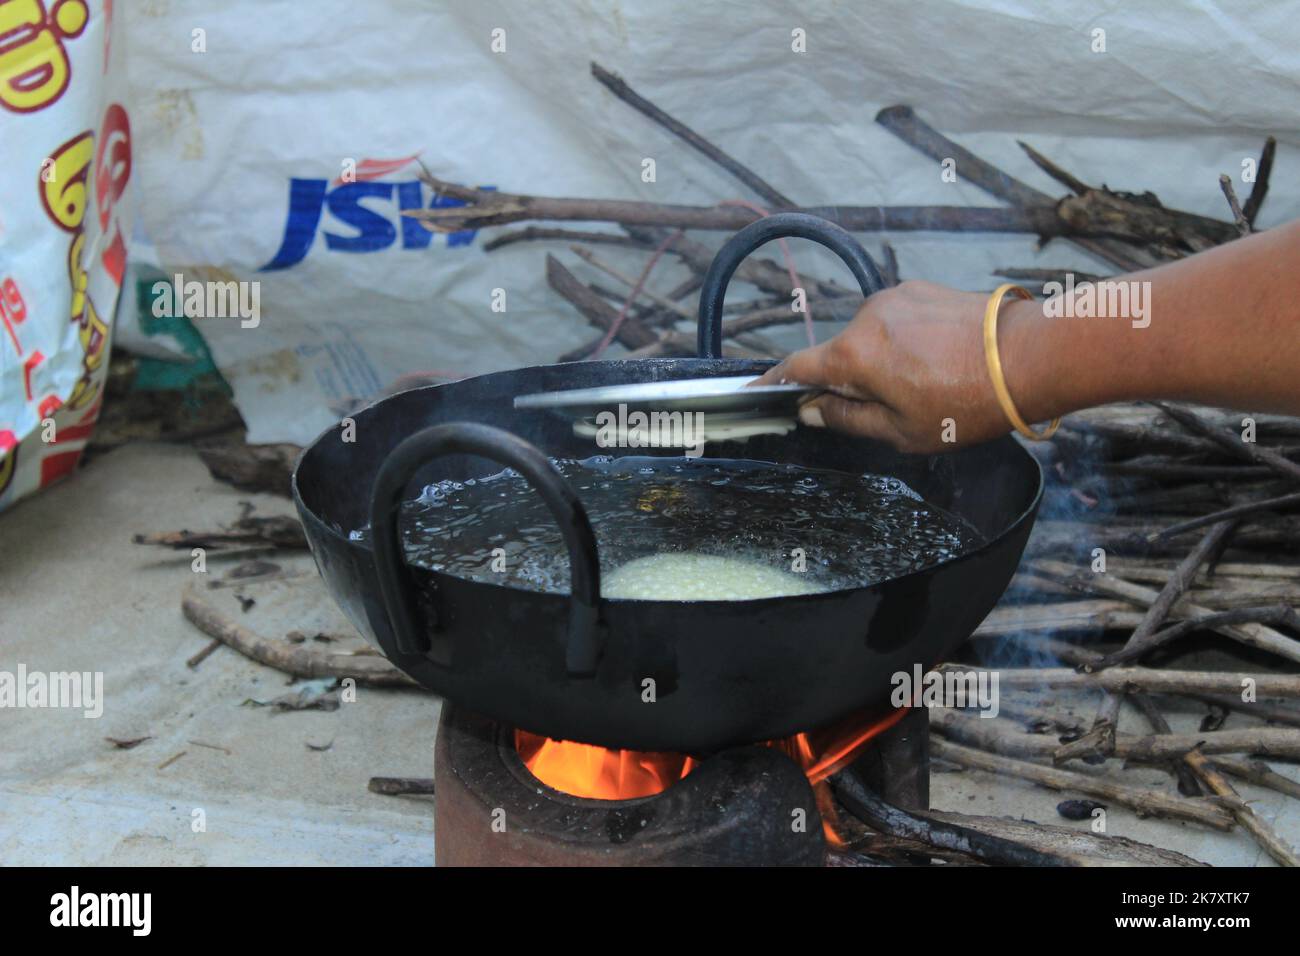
(1077, 495)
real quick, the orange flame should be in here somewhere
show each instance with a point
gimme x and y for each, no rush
(599, 773)
(584, 770)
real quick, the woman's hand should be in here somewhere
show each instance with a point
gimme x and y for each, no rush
(911, 359)
(1221, 327)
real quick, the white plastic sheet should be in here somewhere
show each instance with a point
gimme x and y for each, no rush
(1167, 98)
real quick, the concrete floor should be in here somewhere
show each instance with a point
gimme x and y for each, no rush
(77, 594)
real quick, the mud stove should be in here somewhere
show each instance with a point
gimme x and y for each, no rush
(508, 798)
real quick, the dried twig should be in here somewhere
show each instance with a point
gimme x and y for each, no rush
(1100, 740)
(1280, 615)
(295, 660)
(875, 812)
(1265, 835)
(619, 88)
(1279, 503)
(1239, 217)
(401, 786)
(1162, 681)
(1254, 635)
(203, 655)
(1233, 444)
(1283, 742)
(485, 208)
(278, 531)
(1142, 801)
(536, 233)
(903, 122)
(1262, 172)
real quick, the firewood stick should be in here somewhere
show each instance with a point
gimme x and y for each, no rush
(1068, 180)
(632, 333)
(1234, 445)
(1145, 436)
(767, 274)
(1265, 835)
(1176, 471)
(1058, 616)
(903, 122)
(1023, 582)
(1271, 713)
(889, 264)
(989, 734)
(1141, 413)
(1074, 654)
(1258, 773)
(669, 343)
(688, 286)
(204, 654)
(1159, 223)
(1254, 635)
(680, 310)
(1190, 783)
(616, 85)
(998, 740)
(400, 786)
(1279, 503)
(1043, 276)
(1101, 738)
(1258, 191)
(1142, 801)
(880, 815)
(281, 532)
(1064, 651)
(298, 661)
(1030, 716)
(1266, 686)
(1125, 536)
(542, 233)
(1238, 217)
(672, 343)
(1276, 614)
(1240, 573)
(484, 208)
(652, 316)
(1084, 846)
(765, 317)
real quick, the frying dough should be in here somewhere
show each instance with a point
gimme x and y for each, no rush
(687, 576)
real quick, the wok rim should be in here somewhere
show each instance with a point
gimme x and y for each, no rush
(1027, 514)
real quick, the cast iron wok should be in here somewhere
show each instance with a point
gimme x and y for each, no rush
(647, 675)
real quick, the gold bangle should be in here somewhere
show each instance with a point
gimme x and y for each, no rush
(995, 364)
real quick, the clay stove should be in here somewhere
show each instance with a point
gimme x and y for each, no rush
(761, 805)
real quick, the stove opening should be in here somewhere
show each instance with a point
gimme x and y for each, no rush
(600, 773)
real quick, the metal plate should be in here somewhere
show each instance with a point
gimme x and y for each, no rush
(727, 394)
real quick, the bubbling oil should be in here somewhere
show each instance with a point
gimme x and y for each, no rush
(753, 529)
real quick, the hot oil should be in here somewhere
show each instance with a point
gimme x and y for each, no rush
(831, 529)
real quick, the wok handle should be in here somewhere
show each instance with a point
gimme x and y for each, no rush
(734, 250)
(586, 634)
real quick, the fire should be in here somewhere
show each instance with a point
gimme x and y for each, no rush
(584, 770)
(599, 773)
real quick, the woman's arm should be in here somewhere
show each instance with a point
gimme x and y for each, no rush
(1221, 327)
